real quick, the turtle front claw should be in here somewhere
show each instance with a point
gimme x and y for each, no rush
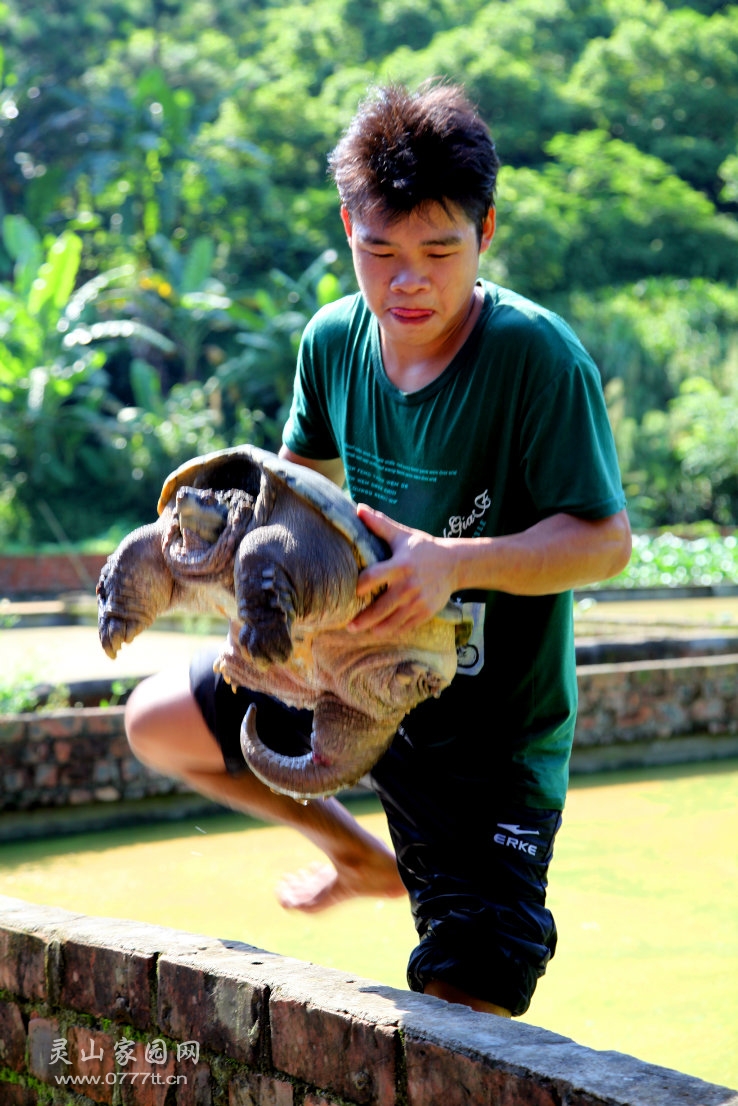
(112, 635)
(114, 627)
(110, 628)
(267, 611)
(266, 642)
(134, 587)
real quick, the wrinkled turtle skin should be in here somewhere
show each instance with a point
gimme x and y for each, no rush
(277, 548)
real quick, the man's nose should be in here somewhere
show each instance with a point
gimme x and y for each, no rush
(409, 278)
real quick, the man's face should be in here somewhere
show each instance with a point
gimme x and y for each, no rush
(417, 272)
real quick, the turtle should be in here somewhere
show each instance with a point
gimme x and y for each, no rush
(276, 548)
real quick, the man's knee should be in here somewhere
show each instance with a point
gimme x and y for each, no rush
(166, 729)
(447, 991)
(143, 723)
(154, 714)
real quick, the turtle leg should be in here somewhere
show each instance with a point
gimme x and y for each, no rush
(291, 569)
(412, 682)
(266, 598)
(135, 586)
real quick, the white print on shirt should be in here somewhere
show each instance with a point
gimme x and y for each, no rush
(384, 478)
(458, 524)
(470, 657)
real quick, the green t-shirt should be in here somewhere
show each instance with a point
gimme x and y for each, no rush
(514, 430)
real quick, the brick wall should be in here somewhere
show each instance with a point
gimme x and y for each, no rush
(643, 712)
(148, 1016)
(44, 575)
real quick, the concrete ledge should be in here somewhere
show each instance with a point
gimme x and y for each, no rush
(585, 760)
(221, 1021)
(29, 825)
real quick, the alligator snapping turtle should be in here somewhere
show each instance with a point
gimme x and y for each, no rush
(277, 549)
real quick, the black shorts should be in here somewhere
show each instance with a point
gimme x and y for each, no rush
(282, 728)
(474, 864)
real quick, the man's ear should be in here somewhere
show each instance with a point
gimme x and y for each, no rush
(488, 230)
(346, 220)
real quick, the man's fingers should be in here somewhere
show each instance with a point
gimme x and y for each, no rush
(381, 525)
(372, 616)
(390, 612)
(372, 579)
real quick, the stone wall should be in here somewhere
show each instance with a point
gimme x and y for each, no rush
(644, 712)
(656, 712)
(69, 758)
(128, 1014)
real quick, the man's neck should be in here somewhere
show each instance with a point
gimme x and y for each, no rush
(411, 368)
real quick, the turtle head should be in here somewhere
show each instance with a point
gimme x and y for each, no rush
(204, 530)
(202, 512)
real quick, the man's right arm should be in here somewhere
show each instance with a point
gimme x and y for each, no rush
(332, 468)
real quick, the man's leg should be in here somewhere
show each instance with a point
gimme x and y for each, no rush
(475, 868)
(450, 993)
(167, 731)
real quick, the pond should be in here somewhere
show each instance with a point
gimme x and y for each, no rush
(644, 889)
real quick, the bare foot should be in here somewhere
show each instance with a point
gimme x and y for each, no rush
(321, 885)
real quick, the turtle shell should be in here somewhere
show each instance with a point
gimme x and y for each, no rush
(336, 506)
(242, 467)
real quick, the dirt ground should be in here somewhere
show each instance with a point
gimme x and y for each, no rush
(713, 616)
(60, 654)
(65, 654)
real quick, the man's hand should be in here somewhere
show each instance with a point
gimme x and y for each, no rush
(418, 578)
(556, 554)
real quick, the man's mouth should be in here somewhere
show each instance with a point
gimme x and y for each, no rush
(411, 314)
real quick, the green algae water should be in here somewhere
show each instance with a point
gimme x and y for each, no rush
(644, 888)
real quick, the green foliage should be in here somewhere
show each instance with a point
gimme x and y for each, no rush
(169, 172)
(671, 560)
(602, 212)
(119, 691)
(50, 378)
(520, 100)
(262, 372)
(669, 85)
(703, 426)
(654, 341)
(654, 334)
(62, 439)
(21, 693)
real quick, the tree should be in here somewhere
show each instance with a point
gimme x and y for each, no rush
(703, 427)
(187, 145)
(667, 83)
(602, 212)
(55, 435)
(655, 334)
(512, 58)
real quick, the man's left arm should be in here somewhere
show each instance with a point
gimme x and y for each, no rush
(560, 552)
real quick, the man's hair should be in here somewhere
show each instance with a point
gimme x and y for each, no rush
(404, 150)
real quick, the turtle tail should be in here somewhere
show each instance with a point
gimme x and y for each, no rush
(311, 776)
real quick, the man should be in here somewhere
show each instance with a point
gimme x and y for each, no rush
(471, 425)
